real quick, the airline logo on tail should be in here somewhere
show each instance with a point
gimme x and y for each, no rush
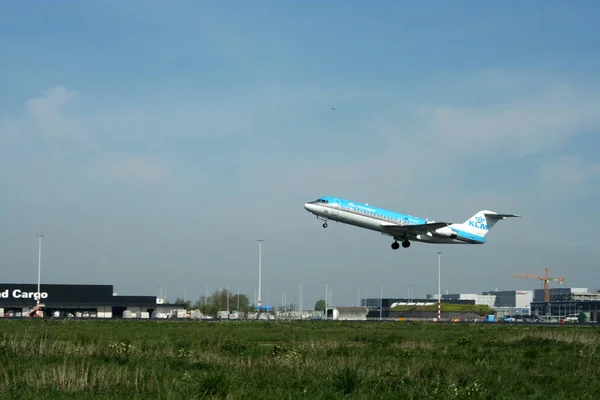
(479, 222)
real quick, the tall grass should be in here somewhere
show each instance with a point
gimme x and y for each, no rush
(310, 360)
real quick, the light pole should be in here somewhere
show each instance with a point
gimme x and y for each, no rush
(259, 270)
(40, 236)
(300, 298)
(326, 292)
(439, 253)
(381, 303)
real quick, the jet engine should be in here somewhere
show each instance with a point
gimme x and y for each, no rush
(446, 232)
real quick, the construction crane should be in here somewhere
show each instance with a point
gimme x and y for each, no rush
(546, 279)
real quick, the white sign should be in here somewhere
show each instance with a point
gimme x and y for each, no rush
(19, 294)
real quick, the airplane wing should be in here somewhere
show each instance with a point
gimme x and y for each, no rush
(396, 229)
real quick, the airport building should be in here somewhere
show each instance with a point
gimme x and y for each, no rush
(391, 302)
(93, 301)
(559, 294)
(564, 303)
(480, 299)
(567, 303)
(512, 298)
(567, 309)
(384, 306)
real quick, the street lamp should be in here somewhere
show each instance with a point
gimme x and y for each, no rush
(300, 298)
(40, 236)
(326, 293)
(439, 253)
(381, 303)
(259, 270)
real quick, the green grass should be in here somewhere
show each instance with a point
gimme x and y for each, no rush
(295, 360)
(445, 307)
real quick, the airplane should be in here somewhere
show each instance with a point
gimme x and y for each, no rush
(404, 227)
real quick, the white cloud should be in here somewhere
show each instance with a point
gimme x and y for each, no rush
(51, 138)
(48, 117)
(527, 126)
(462, 139)
(131, 168)
(54, 102)
(563, 175)
(401, 157)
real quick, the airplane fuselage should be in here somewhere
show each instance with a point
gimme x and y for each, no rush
(400, 226)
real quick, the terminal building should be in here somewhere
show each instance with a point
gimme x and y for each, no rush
(567, 302)
(512, 301)
(564, 304)
(93, 301)
(560, 294)
(480, 299)
(383, 307)
(512, 298)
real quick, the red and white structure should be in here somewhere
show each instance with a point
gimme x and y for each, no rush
(259, 273)
(439, 317)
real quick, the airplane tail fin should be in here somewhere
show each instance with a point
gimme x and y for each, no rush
(481, 223)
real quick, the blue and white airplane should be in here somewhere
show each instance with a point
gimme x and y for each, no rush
(404, 227)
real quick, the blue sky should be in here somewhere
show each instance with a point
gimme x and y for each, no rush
(153, 143)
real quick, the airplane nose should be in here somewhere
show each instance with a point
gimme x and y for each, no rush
(309, 207)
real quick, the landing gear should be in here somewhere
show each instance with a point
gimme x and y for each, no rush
(324, 221)
(405, 244)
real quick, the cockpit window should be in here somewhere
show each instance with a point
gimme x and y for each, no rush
(321, 201)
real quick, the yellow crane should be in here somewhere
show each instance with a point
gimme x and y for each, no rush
(546, 279)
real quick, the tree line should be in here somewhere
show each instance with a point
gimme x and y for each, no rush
(218, 301)
(210, 305)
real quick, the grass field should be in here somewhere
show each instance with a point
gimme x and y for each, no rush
(300, 360)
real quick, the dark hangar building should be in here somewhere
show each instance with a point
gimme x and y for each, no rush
(60, 300)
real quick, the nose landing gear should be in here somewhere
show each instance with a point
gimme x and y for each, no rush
(324, 221)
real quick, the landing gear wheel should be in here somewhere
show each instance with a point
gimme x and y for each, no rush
(324, 224)
(405, 244)
(395, 246)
